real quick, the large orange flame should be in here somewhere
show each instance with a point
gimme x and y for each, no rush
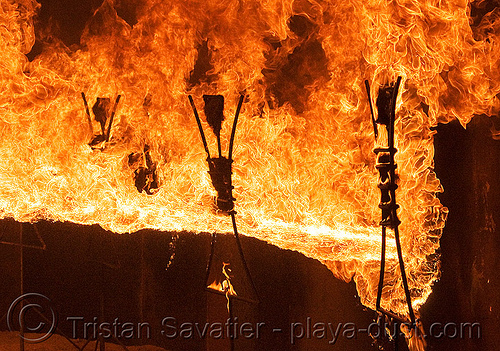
(304, 170)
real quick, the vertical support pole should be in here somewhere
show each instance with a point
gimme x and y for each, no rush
(231, 318)
(143, 281)
(100, 338)
(242, 256)
(382, 268)
(396, 336)
(21, 258)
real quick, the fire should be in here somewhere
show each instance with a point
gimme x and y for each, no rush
(225, 285)
(304, 172)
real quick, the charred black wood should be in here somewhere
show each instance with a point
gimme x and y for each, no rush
(200, 128)
(220, 170)
(387, 185)
(97, 140)
(384, 104)
(375, 129)
(145, 175)
(203, 68)
(214, 111)
(235, 123)
(103, 112)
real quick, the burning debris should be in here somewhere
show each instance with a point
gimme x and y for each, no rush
(103, 112)
(214, 111)
(224, 285)
(145, 175)
(220, 168)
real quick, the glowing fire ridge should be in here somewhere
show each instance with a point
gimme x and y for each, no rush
(304, 171)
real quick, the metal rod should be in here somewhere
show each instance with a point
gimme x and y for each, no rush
(382, 268)
(236, 297)
(235, 122)
(202, 134)
(231, 336)
(108, 133)
(393, 114)
(393, 315)
(143, 280)
(26, 246)
(375, 129)
(102, 302)
(396, 336)
(61, 333)
(44, 246)
(240, 249)
(210, 259)
(219, 145)
(89, 118)
(21, 257)
(403, 275)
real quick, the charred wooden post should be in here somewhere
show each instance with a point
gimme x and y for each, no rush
(145, 175)
(386, 166)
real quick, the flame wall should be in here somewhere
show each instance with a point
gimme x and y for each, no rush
(304, 171)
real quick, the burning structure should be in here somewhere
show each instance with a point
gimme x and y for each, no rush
(304, 175)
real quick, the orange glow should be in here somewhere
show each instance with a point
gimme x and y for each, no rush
(225, 285)
(303, 169)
